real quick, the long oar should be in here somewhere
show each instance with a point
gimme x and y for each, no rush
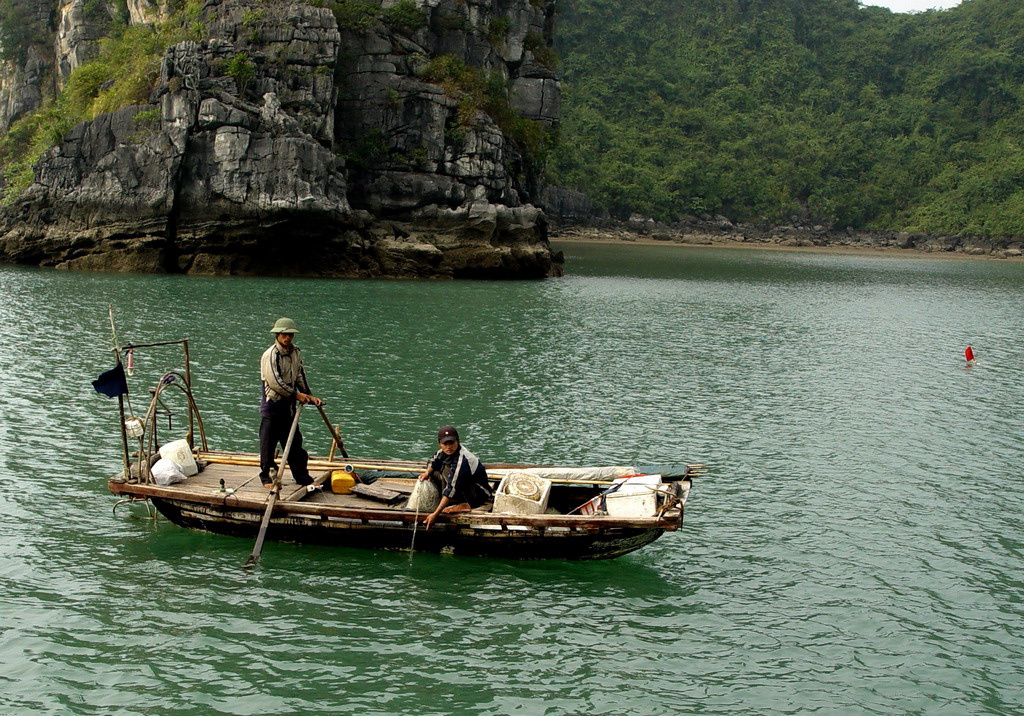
(272, 500)
(334, 433)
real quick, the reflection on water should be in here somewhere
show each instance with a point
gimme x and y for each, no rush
(854, 548)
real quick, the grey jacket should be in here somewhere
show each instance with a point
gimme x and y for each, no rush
(283, 376)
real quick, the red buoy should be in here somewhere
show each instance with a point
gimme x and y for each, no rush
(969, 354)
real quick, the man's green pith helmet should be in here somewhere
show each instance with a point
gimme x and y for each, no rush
(284, 325)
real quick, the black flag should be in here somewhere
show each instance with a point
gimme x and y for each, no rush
(112, 383)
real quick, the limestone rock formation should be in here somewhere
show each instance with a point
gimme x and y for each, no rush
(357, 138)
(26, 63)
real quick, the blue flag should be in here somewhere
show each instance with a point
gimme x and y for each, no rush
(112, 383)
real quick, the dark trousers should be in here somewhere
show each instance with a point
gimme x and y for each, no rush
(274, 431)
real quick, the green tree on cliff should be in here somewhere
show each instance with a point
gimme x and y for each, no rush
(820, 110)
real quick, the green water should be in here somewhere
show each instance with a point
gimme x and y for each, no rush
(856, 547)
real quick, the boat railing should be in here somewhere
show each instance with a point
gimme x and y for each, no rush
(145, 430)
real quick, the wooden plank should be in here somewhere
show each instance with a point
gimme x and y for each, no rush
(251, 457)
(301, 493)
(404, 488)
(380, 494)
(241, 459)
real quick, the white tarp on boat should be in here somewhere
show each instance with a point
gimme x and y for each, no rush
(570, 473)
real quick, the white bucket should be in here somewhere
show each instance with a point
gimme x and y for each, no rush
(181, 453)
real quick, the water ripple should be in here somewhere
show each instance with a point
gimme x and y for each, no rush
(855, 547)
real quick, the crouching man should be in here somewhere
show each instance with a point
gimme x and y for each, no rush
(463, 478)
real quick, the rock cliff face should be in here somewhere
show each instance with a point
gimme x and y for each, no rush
(362, 138)
(25, 71)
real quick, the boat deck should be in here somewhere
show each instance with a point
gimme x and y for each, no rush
(243, 482)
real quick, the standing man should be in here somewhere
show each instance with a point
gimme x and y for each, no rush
(463, 477)
(284, 383)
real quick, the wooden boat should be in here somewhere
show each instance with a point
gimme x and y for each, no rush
(227, 498)
(588, 513)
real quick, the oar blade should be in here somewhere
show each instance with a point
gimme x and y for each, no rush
(258, 548)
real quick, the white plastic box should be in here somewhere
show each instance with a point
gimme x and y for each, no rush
(638, 497)
(522, 493)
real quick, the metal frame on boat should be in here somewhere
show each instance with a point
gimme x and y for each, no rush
(227, 498)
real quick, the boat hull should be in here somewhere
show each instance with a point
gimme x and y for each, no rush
(524, 542)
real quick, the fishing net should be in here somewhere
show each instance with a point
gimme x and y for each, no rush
(425, 497)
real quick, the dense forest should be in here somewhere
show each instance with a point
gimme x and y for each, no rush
(817, 111)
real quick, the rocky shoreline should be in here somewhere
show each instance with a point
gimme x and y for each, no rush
(721, 232)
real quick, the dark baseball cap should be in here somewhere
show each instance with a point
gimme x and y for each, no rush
(447, 433)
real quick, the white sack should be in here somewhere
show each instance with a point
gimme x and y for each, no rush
(167, 472)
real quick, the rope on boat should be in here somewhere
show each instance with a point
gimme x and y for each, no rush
(231, 492)
(417, 491)
(672, 502)
(415, 523)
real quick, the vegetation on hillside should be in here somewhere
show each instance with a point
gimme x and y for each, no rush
(822, 111)
(122, 74)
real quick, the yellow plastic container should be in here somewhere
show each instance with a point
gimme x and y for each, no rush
(342, 482)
